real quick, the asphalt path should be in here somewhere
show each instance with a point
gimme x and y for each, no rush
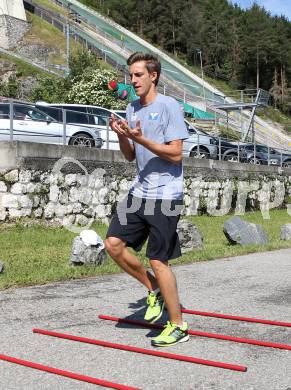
(255, 285)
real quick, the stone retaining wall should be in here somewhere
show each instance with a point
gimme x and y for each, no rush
(74, 186)
(11, 31)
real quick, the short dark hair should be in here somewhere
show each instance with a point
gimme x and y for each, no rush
(152, 62)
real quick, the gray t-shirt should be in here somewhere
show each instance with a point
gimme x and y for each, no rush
(161, 121)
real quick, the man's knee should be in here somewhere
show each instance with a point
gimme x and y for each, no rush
(114, 246)
(158, 265)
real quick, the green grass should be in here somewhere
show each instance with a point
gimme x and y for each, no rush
(216, 245)
(38, 255)
(45, 34)
(52, 6)
(228, 133)
(275, 115)
(23, 68)
(42, 32)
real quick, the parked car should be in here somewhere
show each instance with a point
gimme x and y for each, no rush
(199, 144)
(121, 113)
(86, 115)
(256, 154)
(223, 145)
(33, 125)
(286, 161)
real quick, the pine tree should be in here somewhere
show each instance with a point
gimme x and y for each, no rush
(215, 35)
(257, 33)
(275, 90)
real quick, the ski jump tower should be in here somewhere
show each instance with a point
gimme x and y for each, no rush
(13, 23)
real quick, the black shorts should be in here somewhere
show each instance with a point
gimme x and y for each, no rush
(155, 220)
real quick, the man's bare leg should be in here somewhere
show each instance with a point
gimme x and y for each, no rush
(129, 263)
(166, 281)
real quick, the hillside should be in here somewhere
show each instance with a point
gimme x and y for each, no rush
(50, 53)
(43, 45)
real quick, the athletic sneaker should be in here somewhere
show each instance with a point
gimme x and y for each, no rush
(171, 335)
(155, 307)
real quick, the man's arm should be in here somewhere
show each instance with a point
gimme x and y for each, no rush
(126, 148)
(172, 151)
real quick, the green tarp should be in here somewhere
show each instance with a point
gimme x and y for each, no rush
(193, 111)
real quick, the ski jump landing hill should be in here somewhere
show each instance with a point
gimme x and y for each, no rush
(117, 43)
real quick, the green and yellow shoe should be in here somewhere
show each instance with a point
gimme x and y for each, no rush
(155, 308)
(171, 335)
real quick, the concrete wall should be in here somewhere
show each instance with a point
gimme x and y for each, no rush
(75, 186)
(14, 8)
(35, 155)
(11, 31)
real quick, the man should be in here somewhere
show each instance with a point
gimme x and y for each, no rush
(153, 135)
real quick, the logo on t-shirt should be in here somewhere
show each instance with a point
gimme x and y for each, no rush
(154, 116)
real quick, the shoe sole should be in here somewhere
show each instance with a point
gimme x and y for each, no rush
(183, 340)
(155, 319)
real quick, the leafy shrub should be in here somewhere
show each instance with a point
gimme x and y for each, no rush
(92, 88)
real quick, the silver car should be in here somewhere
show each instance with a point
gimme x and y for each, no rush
(199, 144)
(33, 125)
(93, 117)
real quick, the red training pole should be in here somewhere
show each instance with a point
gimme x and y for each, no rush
(68, 374)
(236, 318)
(202, 334)
(130, 348)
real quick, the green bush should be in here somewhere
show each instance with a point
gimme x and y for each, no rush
(87, 83)
(228, 133)
(11, 88)
(50, 89)
(92, 88)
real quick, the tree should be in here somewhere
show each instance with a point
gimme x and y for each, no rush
(11, 88)
(235, 55)
(281, 50)
(257, 34)
(215, 34)
(92, 88)
(82, 61)
(275, 90)
(190, 33)
(165, 24)
(50, 89)
(285, 92)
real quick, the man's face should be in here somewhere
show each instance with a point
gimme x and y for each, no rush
(141, 79)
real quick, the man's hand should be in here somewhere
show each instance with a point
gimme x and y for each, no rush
(135, 133)
(118, 126)
(121, 128)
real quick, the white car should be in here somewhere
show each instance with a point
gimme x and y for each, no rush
(199, 144)
(86, 115)
(33, 125)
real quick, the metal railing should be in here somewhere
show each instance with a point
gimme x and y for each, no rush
(199, 144)
(27, 122)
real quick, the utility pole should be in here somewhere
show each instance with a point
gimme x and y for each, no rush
(68, 46)
(72, 15)
(68, 38)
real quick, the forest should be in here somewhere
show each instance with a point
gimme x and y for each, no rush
(248, 48)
